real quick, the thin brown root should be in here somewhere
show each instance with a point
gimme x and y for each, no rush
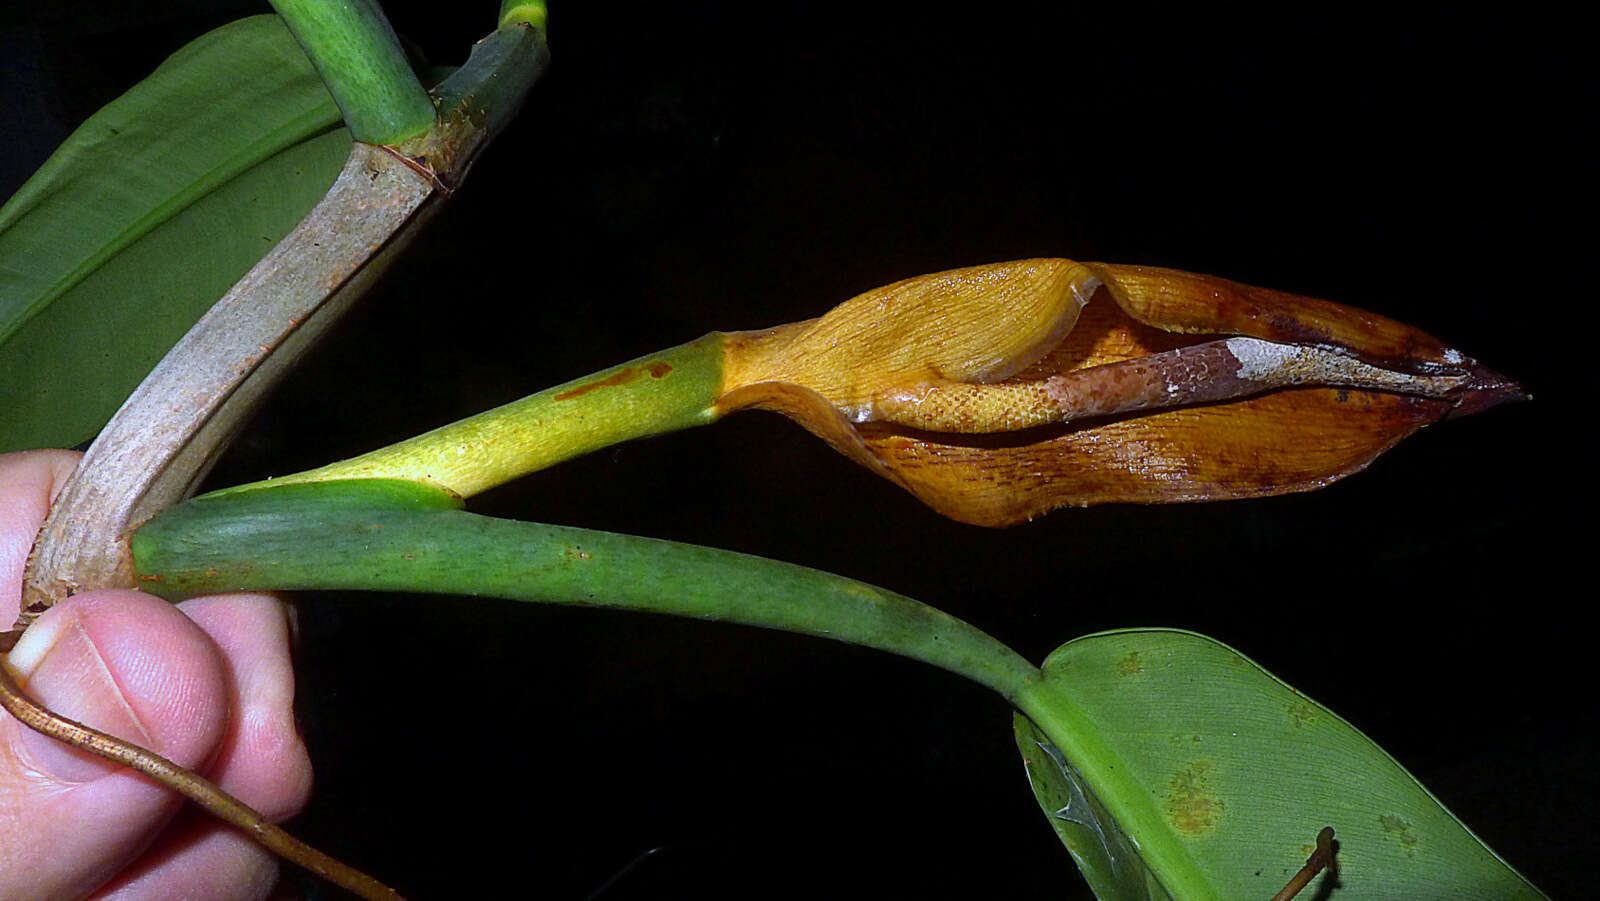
(202, 792)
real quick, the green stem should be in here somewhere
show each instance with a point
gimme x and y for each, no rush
(663, 392)
(479, 99)
(361, 61)
(390, 535)
(393, 535)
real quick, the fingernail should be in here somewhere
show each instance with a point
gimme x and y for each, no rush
(62, 670)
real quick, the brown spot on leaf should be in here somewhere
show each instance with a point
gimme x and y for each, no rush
(658, 370)
(1400, 830)
(1193, 807)
(1302, 713)
(1131, 665)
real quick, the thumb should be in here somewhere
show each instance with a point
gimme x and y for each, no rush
(128, 664)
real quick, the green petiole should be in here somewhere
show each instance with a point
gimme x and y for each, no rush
(396, 535)
(391, 535)
(361, 61)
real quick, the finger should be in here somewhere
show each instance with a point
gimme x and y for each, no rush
(29, 480)
(262, 762)
(197, 858)
(131, 665)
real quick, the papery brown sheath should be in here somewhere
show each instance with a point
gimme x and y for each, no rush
(998, 393)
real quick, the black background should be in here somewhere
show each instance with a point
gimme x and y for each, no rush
(696, 166)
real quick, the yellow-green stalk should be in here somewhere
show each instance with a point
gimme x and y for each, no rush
(661, 392)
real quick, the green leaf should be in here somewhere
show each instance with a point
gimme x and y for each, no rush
(1245, 771)
(146, 215)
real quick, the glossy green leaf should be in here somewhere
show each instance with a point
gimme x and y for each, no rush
(1245, 771)
(146, 215)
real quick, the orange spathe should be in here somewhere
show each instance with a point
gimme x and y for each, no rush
(983, 351)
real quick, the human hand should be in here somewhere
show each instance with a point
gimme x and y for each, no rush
(206, 683)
